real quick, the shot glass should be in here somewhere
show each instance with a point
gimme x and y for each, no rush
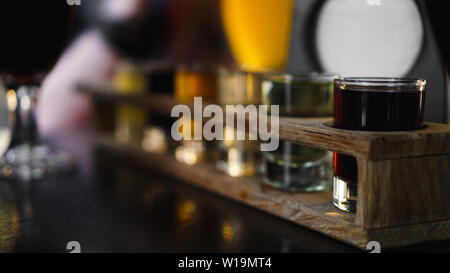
(130, 120)
(296, 167)
(238, 157)
(371, 104)
(193, 81)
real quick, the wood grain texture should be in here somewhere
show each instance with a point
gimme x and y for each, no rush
(410, 234)
(311, 210)
(432, 140)
(403, 191)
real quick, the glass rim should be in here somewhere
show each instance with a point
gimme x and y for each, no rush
(400, 84)
(237, 72)
(290, 77)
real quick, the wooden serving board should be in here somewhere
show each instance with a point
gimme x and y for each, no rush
(403, 177)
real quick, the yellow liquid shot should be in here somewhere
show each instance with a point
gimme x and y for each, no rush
(258, 32)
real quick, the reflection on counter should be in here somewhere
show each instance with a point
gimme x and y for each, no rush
(231, 228)
(186, 211)
(9, 219)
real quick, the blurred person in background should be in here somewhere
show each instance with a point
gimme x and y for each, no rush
(63, 115)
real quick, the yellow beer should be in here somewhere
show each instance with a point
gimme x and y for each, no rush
(258, 32)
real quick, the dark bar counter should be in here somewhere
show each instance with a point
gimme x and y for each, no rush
(124, 208)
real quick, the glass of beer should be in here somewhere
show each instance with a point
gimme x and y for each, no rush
(371, 104)
(258, 32)
(238, 157)
(296, 167)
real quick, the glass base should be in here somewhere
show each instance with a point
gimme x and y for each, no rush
(238, 162)
(298, 175)
(154, 140)
(344, 194)
(31, 162)
(190, 152)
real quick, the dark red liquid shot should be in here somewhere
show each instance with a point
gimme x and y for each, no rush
(385, 110)
(374, 108)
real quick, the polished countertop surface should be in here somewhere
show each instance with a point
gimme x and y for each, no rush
(124, 208)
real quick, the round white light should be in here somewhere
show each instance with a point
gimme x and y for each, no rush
(369, 37)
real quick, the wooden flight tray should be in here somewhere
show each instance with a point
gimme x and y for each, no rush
(403, 177)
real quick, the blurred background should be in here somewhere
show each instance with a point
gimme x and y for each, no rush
(164, 52)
